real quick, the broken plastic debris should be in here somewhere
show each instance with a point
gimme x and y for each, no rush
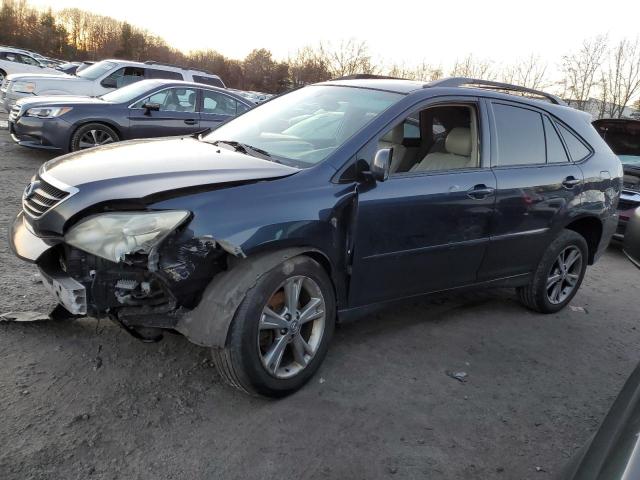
(322, 380)
(460, 376)
(23, 317)
(577, 309)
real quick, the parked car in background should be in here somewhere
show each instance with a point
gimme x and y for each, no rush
(253, 241)
(149, 108)
(15, 61)
(623, 136)
(71, 68)
(98, 79)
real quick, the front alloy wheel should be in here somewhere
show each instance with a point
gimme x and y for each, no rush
(291, 327)
(281, 332)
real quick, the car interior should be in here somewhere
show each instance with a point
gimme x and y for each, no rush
(437, 138)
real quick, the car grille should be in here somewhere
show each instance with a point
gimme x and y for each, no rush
(15, 113)
(624, 204)
(40, 196)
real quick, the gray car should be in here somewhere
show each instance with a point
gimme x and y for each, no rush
(145, 109)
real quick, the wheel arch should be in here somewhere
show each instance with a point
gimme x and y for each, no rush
(591, 229)
(83, 123)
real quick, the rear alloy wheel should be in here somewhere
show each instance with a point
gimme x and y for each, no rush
(558, 275)
(281, 331)
(93, 135)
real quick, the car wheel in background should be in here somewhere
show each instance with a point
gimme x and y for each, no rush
(3, 74)
(281, 331)
(559, 274)
(93, 135)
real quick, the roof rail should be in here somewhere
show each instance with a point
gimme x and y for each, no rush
(367, 76)
(153, 62)
(491, 85)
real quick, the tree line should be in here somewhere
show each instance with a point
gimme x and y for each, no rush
(599, 70)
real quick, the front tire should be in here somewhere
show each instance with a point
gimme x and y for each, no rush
(93, 135)
(558, 275)
(281, 332)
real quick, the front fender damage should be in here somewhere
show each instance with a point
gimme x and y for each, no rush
(208, 323)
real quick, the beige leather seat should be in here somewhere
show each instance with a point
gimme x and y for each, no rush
(458, 146)
(393, 139)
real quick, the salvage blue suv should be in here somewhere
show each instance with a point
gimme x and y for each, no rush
(317, 207)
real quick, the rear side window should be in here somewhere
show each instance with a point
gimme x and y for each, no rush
(214, 82)
(164, 74)
(577, 149)
(520, 136)
(555, 150)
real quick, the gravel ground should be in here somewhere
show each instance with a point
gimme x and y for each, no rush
(83, 399)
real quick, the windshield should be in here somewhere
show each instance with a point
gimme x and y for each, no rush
(304, 127)
(129, 92)
(96, 70)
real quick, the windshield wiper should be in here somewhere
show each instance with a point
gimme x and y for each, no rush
(246, 149)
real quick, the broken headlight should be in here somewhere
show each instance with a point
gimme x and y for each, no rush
(114, 235)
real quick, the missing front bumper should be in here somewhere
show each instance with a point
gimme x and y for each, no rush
(70, 293)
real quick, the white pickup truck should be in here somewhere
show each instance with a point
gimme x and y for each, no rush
(98, 79)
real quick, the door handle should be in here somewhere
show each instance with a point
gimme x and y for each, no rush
(479, 192)
(190, 121)
(570, 182)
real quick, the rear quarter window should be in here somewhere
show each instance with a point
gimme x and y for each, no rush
(164, 74)
(577, 149)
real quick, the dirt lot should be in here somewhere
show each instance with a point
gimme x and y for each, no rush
(84, 400)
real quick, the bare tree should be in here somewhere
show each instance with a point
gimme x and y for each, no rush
(309, 65)
(529, 72)
(473, 68)
(581, 70)
(348, 57)
(424, 71)
(621, 78)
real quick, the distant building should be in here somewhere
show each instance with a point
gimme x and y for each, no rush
(597, 110)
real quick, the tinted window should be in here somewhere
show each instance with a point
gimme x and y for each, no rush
(555, 150)
(520, 136)
(214, 82)
(218, 103)
(28, 60)
(165, 74)
(123, 76)
(11, 57)
(411, 128)
(241, 108)
(577, 149)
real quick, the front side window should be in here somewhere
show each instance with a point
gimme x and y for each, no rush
(339, 111)
(218, 103)
(577, 149)
(172, 100)
(443, 137)
(520, 136)
(29, 61)
(123, 76)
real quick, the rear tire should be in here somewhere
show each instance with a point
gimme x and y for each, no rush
(558, 276)
(278, 338)
(92, 135)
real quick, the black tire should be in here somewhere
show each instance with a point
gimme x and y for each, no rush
(535, 296)
(100, 128)
(240, 363)
(3, 75)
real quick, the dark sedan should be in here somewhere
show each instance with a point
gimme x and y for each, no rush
(623, 136)
(149, 108)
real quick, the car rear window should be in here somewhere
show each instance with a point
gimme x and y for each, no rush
(520, 135)
(164, 74)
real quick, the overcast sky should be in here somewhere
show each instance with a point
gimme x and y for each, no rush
(404, 31)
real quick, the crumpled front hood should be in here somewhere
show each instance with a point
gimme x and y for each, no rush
(144, 167)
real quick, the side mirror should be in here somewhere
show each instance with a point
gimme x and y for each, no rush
(109, 83)
(151, 107)
(631, 247)
(381, 164)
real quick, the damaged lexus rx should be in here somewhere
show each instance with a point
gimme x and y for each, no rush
(317, 206)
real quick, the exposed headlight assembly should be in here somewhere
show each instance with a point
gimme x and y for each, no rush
(47, 112)
(23, 87)
(114, 235)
